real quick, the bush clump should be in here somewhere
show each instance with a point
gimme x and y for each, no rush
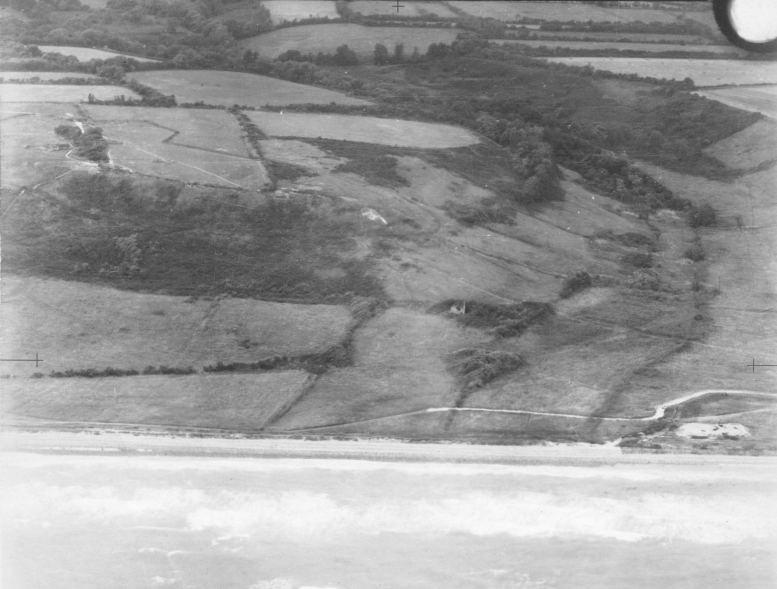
(575, 283)
(505, 320)
(703, 216)
(93, 373)
(477, 367)
(638, 259)
(168, 370)
(695, 253)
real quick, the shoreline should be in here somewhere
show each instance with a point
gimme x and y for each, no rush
(378, 450)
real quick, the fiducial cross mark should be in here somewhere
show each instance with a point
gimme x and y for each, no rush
(753, 365)
(36, 359)
(397, 5)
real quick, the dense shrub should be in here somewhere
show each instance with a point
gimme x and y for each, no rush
(504, 320)
(475, 368)
(695, 253)
(575, 283)
(703, 216)
(638, 259)
(93, 373)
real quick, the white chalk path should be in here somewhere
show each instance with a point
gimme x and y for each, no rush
(658, 413)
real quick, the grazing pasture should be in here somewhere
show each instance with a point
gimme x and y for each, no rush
(46, 76)
(620, 46)
(761, 99)
(286, 10)
(363, 129)
(227, 88)
(704, 72)
(327, 37)
(87, 53)
(232, 401)
(380, 7)
(59, 92)
(75, 325)
(191, 145)
(748, 148)
(562, 11)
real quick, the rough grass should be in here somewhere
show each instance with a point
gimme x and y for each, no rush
(73, 326)
(151, 236)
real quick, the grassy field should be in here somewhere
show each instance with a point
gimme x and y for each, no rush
(59, 92)
(299, 153)
(562, 11)
(761, 99)
(74, 325)
(283, 10)
(87, 53)
(228, 88)
(236, 402)
(30, 146)
(190, 145)
(12, 75)
(749, 148)
(327, 37)
(704, 72)
(620, 46)
(399, 366)
(362, 129)
(378, 7)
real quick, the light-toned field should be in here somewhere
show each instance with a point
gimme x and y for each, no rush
(561, 11)
(399, 366)
(228, 88)
(87, 53)
(12, 75)
(233, 401)
(285, 10)
(59, 92)
(672, 38)
(75, 325)
(299, 153)
(362, 129)
(620, 46)
(761, 99)
(191, 145)
(704, 72)
(327, 37)
(749, 148)
(379, 7)
(31, 152)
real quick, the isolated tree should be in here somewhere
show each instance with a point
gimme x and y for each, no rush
(380, 55)
(344, 55)
(399, 53)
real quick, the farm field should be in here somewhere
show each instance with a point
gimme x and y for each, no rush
(200, 128)
(561, 11)
(232, 402)
(704, 72)
(749, 148)
(379, 7)
(224, 88)
(60, 92)
(12, 75)
(87, 53)
(670, 38)
(399, 367)
(285, 10)
(362, 129)
(602, 45)
(28, 143)
(327, 37)
(761, 99)
(74, 325)
(192, 145)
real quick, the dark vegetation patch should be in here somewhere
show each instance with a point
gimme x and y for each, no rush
(377, 168)
(503, 320)
(90, 144)
(148, 235)
(637, 260)
(695, 253)
(284, 171)
(702, 216)
(629, 239)
(575, 283)
(474, 367)
(93, 373)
